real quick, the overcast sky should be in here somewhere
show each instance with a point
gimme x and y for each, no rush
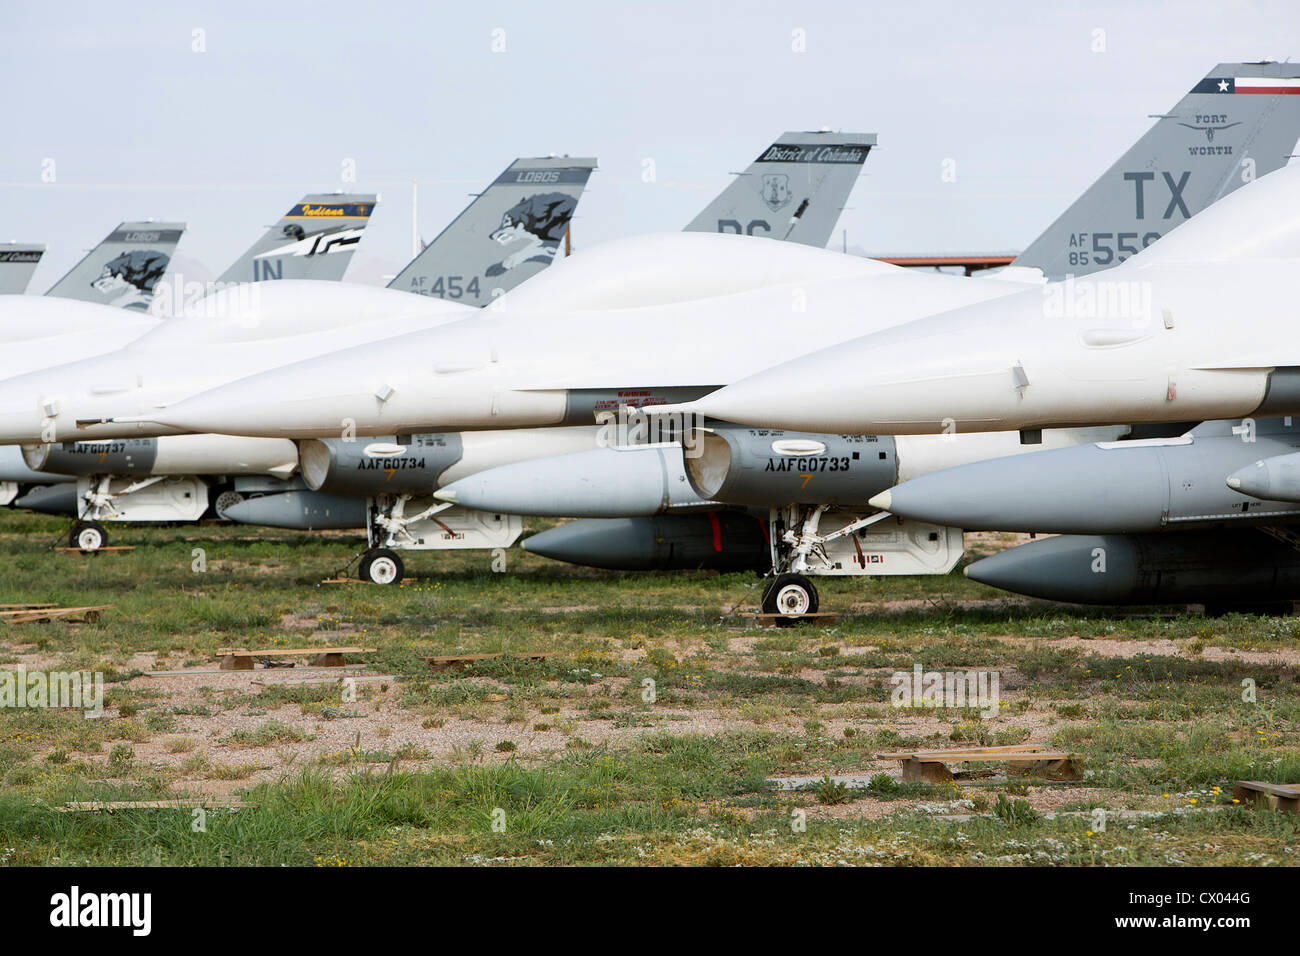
(140, 125)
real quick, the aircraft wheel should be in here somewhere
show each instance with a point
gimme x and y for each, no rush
(88, 536)
(791, 594)
(381, 566)
(225, 500)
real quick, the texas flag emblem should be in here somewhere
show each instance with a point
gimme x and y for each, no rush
(1267, 85)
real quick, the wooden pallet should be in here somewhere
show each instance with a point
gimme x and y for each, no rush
(763, 619)
(1275, 796)
(458, 662)
(931, 766)
(241, 660)
(107, 549)
(48, 613)
(180, 803)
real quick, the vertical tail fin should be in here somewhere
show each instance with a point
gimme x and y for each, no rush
(1238, 123)
(123, 268)
(511, 231)
(18, 260)
(315, 239)
(794, 191)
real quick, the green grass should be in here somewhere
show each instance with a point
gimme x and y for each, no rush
(567, 756)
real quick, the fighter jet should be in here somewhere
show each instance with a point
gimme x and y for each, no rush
(516, 369)
(38, 334)
(47, 329)
(18, 260)
(1133, 514)
(817, 485)
(156, 478)
(805, 177)
(1144, 341)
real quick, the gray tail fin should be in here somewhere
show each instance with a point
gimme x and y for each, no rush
(123, 269)
(511, 231)
(794, 191)
(1238, 123)
(18, 260)
(315, 239)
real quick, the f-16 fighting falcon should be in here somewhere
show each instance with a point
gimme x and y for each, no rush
(799, 500)
(181, 478)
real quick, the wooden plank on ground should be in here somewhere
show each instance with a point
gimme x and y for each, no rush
(107, 549)
(932, 766)
(1275, 796)
(91, 614)
(242, 660)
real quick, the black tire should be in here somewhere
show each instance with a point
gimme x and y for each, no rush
(791, 594)
(381, 566)
(87, 536)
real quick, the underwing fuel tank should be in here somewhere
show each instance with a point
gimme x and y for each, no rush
(715, 540)
(60, 499)
(1107, 487)
(301, 511)
(611, 482)
(419, 464)
(171, 455)
(14, 468)
(381, 466)
(1240, 567)
(766, 467)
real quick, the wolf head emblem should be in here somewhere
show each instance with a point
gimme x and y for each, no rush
(130, 276)
(540, 222)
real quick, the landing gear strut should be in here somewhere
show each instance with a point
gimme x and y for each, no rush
(800, 548)
(87, 536)
(387, 527)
